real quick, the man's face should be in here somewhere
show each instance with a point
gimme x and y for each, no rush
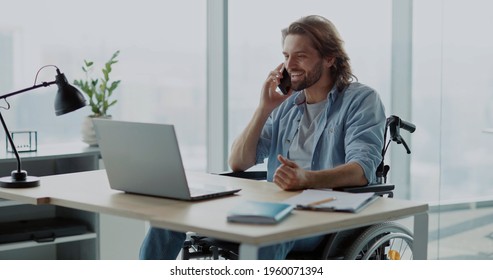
(303, 62)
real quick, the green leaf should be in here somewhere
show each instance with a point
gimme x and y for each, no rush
(114, 85)
(115, 55)
(106, 75)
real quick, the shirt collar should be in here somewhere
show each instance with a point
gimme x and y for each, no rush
(300, 97)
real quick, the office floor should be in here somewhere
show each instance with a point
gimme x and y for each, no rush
(464, 234)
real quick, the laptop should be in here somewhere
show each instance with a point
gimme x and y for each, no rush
(144, 158)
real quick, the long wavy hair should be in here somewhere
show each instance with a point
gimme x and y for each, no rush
(327, 42)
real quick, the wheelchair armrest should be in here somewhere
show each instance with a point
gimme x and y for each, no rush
(379, 189)
(254, 175)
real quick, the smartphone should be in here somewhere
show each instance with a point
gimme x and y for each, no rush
(285, 84)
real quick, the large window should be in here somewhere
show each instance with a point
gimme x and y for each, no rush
(452, 101)
(161, 65)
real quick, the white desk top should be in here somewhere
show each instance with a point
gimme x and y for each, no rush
(90, 191)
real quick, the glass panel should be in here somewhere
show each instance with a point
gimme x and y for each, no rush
(452, 107)
(452, 100)
(161, 64)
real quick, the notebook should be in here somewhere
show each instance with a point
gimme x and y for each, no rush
(329, 200)
(259, 212)
(144, 158)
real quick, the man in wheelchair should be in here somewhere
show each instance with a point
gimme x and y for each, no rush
(325, 130)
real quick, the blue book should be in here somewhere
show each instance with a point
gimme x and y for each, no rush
(257, 212)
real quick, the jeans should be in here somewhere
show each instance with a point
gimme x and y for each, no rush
(162, 244)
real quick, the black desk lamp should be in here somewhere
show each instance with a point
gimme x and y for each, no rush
(68, 99)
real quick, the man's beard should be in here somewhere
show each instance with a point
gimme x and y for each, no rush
(310, 79)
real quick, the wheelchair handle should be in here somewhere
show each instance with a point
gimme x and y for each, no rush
(407, 126)
(396, 123)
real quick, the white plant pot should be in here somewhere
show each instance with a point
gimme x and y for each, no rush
(88, 132)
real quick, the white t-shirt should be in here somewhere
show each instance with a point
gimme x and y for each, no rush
(301, 149)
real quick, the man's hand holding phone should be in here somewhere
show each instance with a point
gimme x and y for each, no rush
(271, 98)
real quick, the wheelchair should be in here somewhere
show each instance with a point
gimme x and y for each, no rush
(383, 241)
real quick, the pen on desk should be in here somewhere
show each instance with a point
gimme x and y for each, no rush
(322, 201)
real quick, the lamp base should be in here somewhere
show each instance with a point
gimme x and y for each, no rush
(14, 183)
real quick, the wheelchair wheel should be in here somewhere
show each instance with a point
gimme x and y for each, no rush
(385, 241)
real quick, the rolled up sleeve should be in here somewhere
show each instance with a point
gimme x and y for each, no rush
(365, 132)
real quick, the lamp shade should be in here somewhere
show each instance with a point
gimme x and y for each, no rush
(68, 98)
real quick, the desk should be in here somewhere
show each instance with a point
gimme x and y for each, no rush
(90, 191)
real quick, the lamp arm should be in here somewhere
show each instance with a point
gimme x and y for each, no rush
(44, 84)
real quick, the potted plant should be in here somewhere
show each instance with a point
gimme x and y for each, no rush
(99, 92)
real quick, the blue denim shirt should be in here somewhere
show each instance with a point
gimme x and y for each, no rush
(351, 130)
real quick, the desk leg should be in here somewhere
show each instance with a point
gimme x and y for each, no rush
(248, 252)
(420, 244)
